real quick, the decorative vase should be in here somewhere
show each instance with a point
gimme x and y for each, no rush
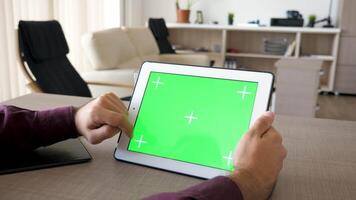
(183, 16)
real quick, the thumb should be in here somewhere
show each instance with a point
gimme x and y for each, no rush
(102, 133)
(262, 124)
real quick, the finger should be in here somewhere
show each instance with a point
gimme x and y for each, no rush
(114, 106)
(116, 120)
(102, 133)
(262, 124)
(117, 100)
(273, 134)
(104, 101)
(284, 152)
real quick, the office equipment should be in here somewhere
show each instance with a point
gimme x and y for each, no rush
(327, 19)
(310, 43)
(204, 98)
(320, 164)
(294, 14)
(63, 153)
(294, 18)
(287, 22)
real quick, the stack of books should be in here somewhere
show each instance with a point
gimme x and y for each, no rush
(275, 46)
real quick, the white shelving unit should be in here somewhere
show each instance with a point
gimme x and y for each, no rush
(254, 55)
(311, 43)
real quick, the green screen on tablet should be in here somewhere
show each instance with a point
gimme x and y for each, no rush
(193, 119)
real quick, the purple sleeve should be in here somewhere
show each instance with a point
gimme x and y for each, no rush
(217, 188)
(24, 130)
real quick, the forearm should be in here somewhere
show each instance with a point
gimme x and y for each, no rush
(217, 188)
(24, 130)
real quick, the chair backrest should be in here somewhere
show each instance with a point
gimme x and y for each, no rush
(43, 47)
(160, 32)
(110, 49)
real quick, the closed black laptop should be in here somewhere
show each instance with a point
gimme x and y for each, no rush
(63, 153)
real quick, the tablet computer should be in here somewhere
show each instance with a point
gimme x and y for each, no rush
(189, 119)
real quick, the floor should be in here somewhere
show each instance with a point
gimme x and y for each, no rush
(340, 107)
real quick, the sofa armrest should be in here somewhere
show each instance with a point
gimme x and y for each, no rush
(187, 59)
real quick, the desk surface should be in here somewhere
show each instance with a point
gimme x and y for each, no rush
(321, 164)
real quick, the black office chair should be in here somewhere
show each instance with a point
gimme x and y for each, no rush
(43, 47)
(160, 32)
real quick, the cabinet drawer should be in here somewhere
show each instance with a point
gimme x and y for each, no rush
(347, 53)
(348, 18)
(306, 92)
(345, 80)
(297, 77)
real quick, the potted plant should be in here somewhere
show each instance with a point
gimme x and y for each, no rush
(183, 14)
(312, 19)
(231, 18)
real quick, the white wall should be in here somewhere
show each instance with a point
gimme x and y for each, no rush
(134, 13)
(245, 10)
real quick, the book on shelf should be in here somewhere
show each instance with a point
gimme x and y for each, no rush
(230, 64)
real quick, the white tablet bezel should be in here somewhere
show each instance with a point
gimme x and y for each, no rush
(264, 89)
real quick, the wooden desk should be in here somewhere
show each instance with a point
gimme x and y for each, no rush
(321, 164)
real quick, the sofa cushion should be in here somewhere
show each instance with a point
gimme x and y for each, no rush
(185, 59)
(109, 49)
(118, 76)
(154, 58)
(144, 41)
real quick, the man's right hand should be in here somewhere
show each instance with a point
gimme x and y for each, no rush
(102, 118)
(259, 159)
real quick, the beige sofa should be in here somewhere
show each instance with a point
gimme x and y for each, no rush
(116, 54)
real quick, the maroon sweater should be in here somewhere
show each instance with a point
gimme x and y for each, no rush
(25, 130)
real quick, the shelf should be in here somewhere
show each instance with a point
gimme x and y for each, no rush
(324, 88)
(319, 57)
(249, 27)
(269, 56)
(188, 51)
(255, 55)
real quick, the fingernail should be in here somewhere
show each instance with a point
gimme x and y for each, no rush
(269, 114)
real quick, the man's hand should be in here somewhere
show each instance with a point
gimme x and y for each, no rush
(259, 159)
(102, 118)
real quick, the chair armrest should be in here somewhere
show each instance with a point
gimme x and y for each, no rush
(99, 83)
(33, 86)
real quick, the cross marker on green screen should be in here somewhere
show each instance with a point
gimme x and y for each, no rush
(190, 118)
(244, 92)
(228, 159)
(140, 141)
(158, 82)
